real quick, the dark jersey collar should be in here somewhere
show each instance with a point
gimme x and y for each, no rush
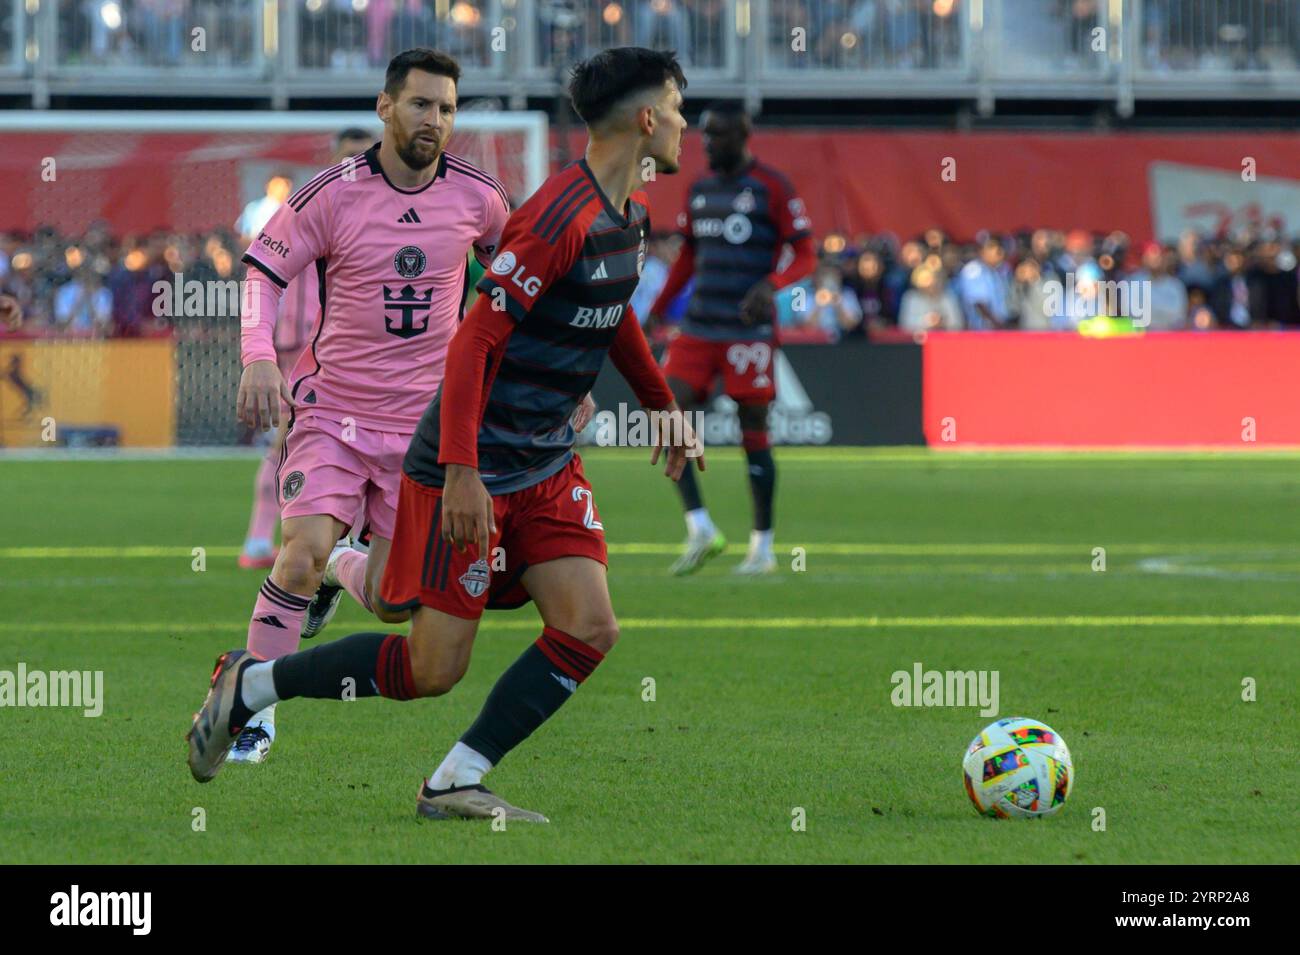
(372, 160)
(619, 218)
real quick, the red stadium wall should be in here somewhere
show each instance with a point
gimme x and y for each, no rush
(885, 181)
(851, 181)
(1170, 389)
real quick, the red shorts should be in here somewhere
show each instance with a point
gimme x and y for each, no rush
(554, 518)
(745, 367)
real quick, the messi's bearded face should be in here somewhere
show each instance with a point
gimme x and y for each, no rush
(420, 119)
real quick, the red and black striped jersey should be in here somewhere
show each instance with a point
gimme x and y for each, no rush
(567, 266)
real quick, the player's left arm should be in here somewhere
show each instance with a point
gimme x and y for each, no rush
(630, 353)
(794, 229)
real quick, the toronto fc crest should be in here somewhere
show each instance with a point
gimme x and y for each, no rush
(475, 580)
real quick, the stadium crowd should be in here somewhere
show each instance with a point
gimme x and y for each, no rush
(352, 35)
(98, 285)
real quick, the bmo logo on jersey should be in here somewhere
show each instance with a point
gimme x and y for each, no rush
(597, 317)
(736, 228)
(505, 264)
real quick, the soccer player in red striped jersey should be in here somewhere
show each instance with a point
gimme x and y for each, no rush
(294, 323)
(385, 237)
(495, 509)
(739, 219)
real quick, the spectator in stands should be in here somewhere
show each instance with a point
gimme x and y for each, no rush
(1194, 261)
(663, 24)
(1273, 267)
(898, 279)
(866, 278)
(1166, 295)
(835, 307)
(982, 287)
(130, 283)
(1234, 297)
(83, 305)
(929, 305)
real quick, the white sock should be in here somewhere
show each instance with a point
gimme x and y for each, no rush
(258, 687)
(460, 767)
(760, 543)
(699, 524)
(264, 717)
(258, 546)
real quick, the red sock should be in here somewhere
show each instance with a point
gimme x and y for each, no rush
(393, 669)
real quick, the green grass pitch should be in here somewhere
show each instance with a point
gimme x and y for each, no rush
(770, 695)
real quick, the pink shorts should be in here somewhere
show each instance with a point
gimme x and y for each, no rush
(325, 471)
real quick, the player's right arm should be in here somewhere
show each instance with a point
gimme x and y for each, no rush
(528, 262)
(292, 239)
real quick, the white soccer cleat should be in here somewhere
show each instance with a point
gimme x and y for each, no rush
(253, 745)
(325, 603)
(756, 565)
(699, 550)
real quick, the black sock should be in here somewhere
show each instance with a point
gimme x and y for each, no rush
(530, 691)
(689, 489)
(762, 484)
(374, 664)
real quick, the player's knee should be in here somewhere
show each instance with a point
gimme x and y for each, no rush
(434, 679)
(299, 569)
(599, 633)
(433, 673)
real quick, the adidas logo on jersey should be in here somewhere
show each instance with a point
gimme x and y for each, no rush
(409, 216)
(600, 272)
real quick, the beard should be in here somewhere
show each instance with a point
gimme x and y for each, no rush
(416, 155)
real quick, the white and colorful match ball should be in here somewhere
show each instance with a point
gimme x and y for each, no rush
(1018, 768)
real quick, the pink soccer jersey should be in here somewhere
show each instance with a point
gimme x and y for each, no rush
(390, 269)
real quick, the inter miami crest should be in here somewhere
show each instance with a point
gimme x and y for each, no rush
(475, 580)
(409, 262)
(293, 485)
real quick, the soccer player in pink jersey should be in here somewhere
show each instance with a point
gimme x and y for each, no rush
(386, 236)
(294, 323)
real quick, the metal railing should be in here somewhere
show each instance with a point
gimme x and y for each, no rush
(282, 49)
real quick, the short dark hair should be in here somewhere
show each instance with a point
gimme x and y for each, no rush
(419, 58)
(597, 84)
(351, 132)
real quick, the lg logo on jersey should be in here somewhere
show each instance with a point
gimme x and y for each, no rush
(736, 228)
(504, 264)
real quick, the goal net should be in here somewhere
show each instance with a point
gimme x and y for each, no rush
(103, 206)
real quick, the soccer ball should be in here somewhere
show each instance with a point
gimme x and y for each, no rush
(1018, 767)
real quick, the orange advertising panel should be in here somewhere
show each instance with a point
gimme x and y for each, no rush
(56, 391)
(1214, 389)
